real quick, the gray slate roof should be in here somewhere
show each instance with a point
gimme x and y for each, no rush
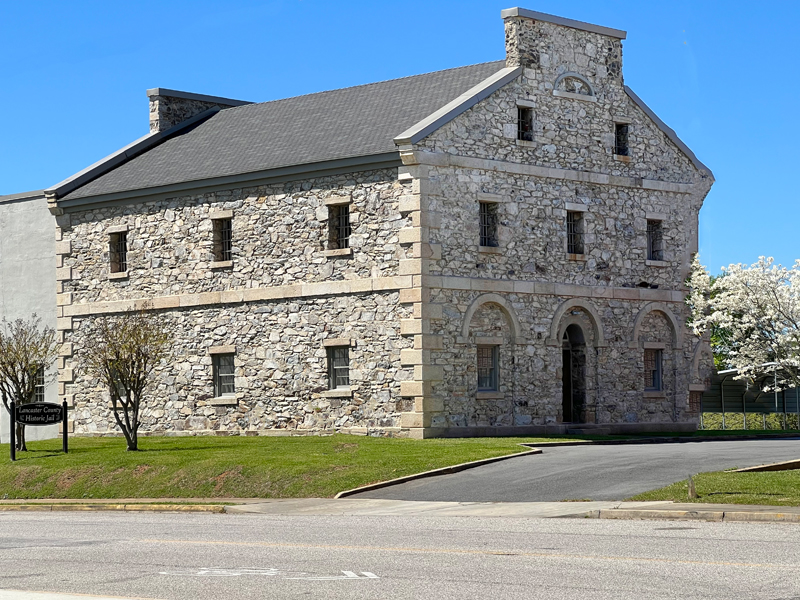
(344, 123)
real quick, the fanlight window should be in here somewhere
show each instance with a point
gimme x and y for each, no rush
(574, 84)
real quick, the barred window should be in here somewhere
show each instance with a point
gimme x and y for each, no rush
(575, 232)
(223, 240)
(224, 373)
(38, 383)
(487, 368)
(118, 252)
(652, 370)
(655, 245)
(525, 124)
(338, 226)
(488, 224)
(338, 367)
(621, 139)
(695, 401)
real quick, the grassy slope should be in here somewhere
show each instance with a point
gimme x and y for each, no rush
(266, 467)
(779, 488)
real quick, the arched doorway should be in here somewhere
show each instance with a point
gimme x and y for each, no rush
(573, 369)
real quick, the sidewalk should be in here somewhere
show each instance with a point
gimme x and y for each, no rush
(655, 510)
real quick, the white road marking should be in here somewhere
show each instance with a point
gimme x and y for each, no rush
(22, 595)
(272, 572)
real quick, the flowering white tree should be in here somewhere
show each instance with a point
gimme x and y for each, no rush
(753, 316)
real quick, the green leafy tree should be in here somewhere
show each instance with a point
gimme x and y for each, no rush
(123, 354)
(27, 353)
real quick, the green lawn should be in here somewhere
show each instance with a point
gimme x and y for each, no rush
(778, 488)
(220, 467)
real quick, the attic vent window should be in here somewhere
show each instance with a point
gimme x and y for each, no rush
(621, 139)
(575, 86)
(525, 123)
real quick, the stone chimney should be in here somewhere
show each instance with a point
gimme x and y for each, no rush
(170, 107)
(545, 42)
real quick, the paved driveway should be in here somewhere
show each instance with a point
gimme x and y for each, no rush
(590, 472)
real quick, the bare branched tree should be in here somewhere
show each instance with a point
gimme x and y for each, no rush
(27, 351)
(123, 353)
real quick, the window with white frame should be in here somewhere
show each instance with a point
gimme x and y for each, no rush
(39, 385)
(338, 367)
(224, 374)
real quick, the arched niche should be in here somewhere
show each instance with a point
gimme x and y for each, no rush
(675, 326)
(505, 308)
(559, 324)
(574, 83)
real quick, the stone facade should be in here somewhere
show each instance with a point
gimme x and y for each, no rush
(416, 296)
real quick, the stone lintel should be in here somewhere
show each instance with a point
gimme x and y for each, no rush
(337, 200)
(220, 214)
(227, 349)
(330, 342)
(118, 229)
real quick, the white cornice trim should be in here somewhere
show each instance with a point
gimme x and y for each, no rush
(464, 102)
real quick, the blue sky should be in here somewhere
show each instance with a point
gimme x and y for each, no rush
(723, 74)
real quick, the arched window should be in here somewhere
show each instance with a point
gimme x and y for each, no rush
(573, 84)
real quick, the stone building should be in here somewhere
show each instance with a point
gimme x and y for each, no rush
(492, 249)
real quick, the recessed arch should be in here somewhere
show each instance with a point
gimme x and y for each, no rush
(557, 328)
(572, 75)
(505, 308)
(675, 326)
(702, 346)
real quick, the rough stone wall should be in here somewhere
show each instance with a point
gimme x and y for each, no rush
(568, 132)
(532, 389)
(279, 238)
(533, 238)
(281, 369)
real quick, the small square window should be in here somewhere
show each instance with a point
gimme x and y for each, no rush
(224, 373)
(223, 240)
(575, 232)
(487, 368)
(488, 224)
(118, 251)
(652, 370)
(39, 386)
(524, 124)
(338, 226)
(338, 367)
(621, 139)
(655, 240)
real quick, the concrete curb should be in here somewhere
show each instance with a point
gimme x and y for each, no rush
(434, 473)
(664, 440)
(695, 515)
(193, 508)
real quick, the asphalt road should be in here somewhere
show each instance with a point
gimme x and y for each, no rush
(237, 557)
(590, 472)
